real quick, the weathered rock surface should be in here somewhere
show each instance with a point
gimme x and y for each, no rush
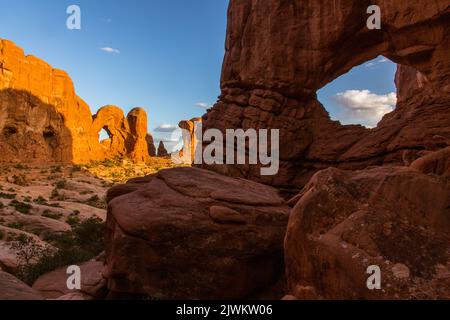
(12, 288)
(191, 233)
(162, 151)
(190, 141)
(42, 120)
(53, 285)
(151, 145)
(279, 53)
(396, 218)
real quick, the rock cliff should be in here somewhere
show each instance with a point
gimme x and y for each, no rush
(279, 53)
(42, 120)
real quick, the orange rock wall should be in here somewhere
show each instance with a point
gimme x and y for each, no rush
(43, 120)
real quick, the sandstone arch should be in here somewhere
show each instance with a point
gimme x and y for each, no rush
(279, 53)
(49, 123)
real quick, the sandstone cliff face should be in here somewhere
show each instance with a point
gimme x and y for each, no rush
(279, 53)
(43, 120)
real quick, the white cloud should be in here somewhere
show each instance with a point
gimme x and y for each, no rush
(166, 128)
(373, 63)
(365, 107)
(203, 105)
(110, 50)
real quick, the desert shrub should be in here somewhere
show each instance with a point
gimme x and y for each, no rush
(51, 215)
(55, 195)
(40, 200)
(84, 242)
(76, 168)
(2, 234)
(62, 184)
(96, 202)
(15, 225)
(73, 220)
(20, 180)
(20, 166)
(56, 169)
(22, 207)
(7, 195)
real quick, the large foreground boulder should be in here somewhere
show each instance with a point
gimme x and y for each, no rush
(191, 233)
(12, 288)
(396, 218)
(53, 285)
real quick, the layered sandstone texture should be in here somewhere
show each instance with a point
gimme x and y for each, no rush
(279, 53)
(42, 120)
(394, 218)
(188, 233)
(190, 139)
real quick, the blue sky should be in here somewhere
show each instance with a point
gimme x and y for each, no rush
(164, 55)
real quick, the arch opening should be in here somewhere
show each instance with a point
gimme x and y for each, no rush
(104, 136)
(362, 96)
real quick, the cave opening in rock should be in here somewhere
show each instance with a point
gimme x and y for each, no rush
(8, 131)
(363, 95)
(49, 134)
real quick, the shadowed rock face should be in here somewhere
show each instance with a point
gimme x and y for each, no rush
(188, 233)
(42, 119)
(279, 53)
(162, 151)
(396, 218)
(151, 145)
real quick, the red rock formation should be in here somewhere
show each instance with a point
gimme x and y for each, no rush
(396, 218)
(279, 53)
(53, 285)
(194, 234)
(14, 289)
(151, 145)
(162, 151)
(189, 137)
(42, 119)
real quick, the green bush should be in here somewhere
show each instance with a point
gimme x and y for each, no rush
(72, 220)
(7, 195)
(15, 225)
(40, 200)
(20, 166)
(22, 207)
(84, 242)
(51, 215)
(62, 184)
(96, 202)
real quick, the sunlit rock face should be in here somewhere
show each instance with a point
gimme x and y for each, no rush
(42, 120)
(279, 53)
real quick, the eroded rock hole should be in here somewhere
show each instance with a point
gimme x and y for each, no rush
(363, 95)
(104, 135)
(9, 131)
(49, 134)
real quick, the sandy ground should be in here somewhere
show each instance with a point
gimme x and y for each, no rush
(39, 201)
